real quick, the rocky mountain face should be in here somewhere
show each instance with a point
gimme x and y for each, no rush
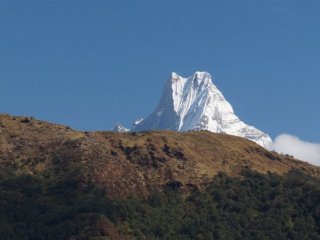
(195, 103)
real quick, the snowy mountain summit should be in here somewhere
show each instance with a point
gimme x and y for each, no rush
(195, 103)
(120, 128)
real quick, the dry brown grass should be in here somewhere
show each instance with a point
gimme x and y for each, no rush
(125, 164)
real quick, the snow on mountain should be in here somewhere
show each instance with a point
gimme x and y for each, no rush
(195, 103)
(120, 128)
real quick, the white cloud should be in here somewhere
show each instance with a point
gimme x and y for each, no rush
(306, 151)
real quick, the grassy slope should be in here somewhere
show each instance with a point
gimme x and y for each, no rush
(70, 183)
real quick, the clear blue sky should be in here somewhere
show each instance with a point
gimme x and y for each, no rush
(92, 64)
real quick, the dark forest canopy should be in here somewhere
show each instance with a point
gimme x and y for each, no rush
(256, 206)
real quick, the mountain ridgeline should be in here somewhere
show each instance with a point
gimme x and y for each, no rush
(195, 103)
(59, 183)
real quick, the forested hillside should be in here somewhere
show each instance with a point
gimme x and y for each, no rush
(58, 183)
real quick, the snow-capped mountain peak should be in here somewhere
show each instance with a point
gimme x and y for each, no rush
(195, 103)
(120, 128)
